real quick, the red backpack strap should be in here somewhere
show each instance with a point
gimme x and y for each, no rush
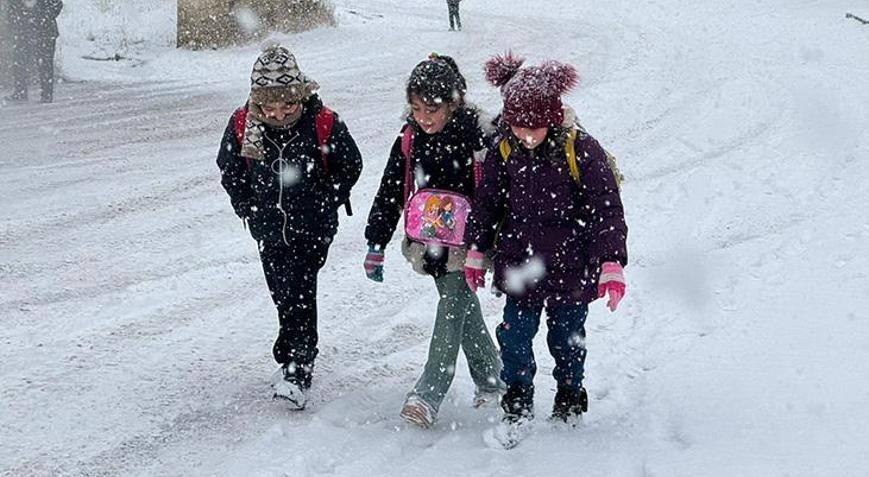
(239, 119)
(324, 122)
(407, 152)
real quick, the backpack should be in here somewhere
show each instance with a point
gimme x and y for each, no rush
(433, 216)
(570, 151)
(323, 122)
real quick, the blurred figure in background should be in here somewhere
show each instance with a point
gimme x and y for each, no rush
(455, 20)
(33, 25)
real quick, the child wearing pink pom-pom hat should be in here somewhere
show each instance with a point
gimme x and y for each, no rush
(550, 213)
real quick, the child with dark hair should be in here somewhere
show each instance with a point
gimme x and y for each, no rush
(436, 151)
(549, 208)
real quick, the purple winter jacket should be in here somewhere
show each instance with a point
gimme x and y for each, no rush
(549, 234)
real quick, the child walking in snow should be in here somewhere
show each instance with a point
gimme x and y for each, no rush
(288, 163)
(436, 153)
(549, 208)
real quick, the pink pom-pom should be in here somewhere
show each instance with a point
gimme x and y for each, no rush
(500, 69)
(561, 77)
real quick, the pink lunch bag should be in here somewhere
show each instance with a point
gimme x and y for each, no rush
(437, 217)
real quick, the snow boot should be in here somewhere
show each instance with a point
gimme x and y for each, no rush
(418, 412)
(569, 404)
(484, 398)
(291, 383)
(518, 400)
(515, 425)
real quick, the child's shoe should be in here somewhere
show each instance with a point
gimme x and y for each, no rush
(485, 398)
(569, 404)
(514, 427)
(291, 383)
(418, 412)
(518, 400)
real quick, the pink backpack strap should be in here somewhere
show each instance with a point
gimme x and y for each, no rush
(324, 122)
(407, 152)
(478, 172)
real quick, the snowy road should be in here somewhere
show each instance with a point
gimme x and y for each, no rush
(136, 325)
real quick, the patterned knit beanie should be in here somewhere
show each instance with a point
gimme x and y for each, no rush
(437, 80)
(532, 95)
(275, 77)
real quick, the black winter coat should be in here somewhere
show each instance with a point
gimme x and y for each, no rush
(309, 197)
(443, 160)
(38, 20)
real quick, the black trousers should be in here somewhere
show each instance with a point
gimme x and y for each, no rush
(454, 15)
(291, 273)
(33, 53)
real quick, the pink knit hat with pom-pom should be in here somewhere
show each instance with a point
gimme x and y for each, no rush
(532, 95)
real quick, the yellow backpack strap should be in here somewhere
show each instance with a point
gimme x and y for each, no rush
(504, 147)
(570, 150)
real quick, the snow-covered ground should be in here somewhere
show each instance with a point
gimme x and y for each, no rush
(137, 328)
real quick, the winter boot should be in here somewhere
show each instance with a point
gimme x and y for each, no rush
(518, 405)
(569, 404)
(518, 402)
(291, 383)
(483, 398)
(418, 412)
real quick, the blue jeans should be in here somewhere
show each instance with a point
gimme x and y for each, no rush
(566, 340)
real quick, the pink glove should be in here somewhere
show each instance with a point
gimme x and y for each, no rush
(612, 281)
(475, 274)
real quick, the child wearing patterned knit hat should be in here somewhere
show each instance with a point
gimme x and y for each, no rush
(442, 139)
(288, 163)
(549, 207)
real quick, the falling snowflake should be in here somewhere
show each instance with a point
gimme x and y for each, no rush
(517, 279)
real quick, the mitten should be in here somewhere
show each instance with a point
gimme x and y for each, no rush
(374, 263)
(475, 274)
(612, 282)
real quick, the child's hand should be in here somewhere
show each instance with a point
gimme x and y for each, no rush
(374, 264)
(475, 274)
(612, 281)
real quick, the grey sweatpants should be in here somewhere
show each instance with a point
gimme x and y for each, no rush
(458, 324)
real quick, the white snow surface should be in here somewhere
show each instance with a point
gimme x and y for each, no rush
(137, 327)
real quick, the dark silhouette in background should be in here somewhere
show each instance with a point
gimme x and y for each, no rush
(455, 20)
(33, 26)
